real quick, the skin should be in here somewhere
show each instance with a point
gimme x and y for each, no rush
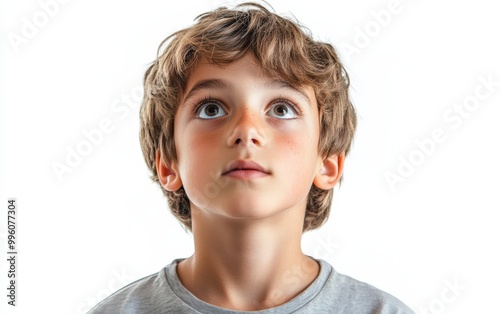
(247, 224)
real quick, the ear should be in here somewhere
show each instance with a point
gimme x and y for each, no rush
(168, 174)
(330, 172)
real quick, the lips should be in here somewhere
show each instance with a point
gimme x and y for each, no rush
(245, 169)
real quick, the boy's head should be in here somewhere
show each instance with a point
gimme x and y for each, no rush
(283, 51)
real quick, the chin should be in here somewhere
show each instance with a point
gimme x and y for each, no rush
(250, 210)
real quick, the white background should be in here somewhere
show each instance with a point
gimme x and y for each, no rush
(105, 224)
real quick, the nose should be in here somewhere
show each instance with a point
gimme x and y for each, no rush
(248, 129)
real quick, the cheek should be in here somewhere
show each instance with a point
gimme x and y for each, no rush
(300, 140)
(194, 151)
(298, 158)
(298, 149)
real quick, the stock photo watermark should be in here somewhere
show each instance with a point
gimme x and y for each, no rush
(453, 118)
(379, 20)
(118, 280)
(325, 247)
(32, 25)
(94, 137)
(12, 250)
(448, 295)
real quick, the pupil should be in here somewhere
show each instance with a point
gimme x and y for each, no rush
(212, 110)
(280, 110)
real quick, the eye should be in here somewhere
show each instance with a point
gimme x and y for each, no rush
(282, 110)
(210, 110)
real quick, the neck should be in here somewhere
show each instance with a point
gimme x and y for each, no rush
(247, 264)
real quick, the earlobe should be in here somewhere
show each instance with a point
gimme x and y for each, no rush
(168, 174)
(330, 172)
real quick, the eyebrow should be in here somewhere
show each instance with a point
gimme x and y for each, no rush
(208, 84)
(224, 84)
(286, 85)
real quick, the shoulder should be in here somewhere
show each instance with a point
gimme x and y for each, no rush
(349, 295)
(151, 294)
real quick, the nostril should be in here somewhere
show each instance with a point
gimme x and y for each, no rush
(240, 141)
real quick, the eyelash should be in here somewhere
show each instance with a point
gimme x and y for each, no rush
(206, 99)
(290, 103)
(275, 101)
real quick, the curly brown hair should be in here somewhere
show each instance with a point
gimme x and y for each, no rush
(283, 48)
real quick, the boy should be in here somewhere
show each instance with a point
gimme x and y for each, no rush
(245, 124)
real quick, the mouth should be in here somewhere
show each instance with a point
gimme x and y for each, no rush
(245, 169)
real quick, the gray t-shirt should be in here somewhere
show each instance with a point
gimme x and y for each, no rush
(330, 292)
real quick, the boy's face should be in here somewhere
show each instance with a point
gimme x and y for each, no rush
(247, 144)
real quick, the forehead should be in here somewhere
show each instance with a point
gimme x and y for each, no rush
(242, 73)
